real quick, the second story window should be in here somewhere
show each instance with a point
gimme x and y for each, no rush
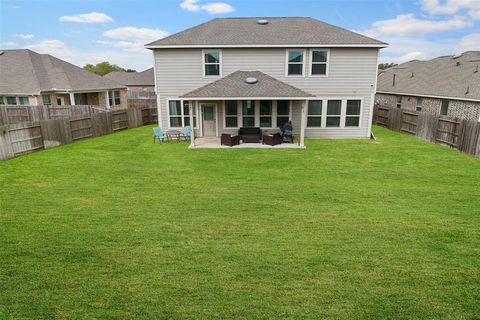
(211, 63)
(319, 62)
(295, 62)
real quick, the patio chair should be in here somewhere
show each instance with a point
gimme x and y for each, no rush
(186, 133)
(158, 134)
(229, 140)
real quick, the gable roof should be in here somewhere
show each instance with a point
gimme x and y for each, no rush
(288, 31)
(235, 86)
(26, 72)
(448, 77)
(144, 78)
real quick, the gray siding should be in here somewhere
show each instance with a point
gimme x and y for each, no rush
(352, 73)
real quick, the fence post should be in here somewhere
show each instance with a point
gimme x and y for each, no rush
(6, 149)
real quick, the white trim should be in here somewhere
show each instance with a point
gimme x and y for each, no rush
(267, 46)
(372, 102)
(220, 58)
(311, 64)
(248, 98)
(182, 116)
(426, 96)
(216, 116)
(304, 62)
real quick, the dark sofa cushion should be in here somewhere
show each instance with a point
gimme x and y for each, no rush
(250, 131)
(253, 135)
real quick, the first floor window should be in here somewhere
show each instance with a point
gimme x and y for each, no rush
(186, 114)
(248, 112)
(12, 101)
(81, 98)
(266, 113)
(319, 62)
(47, 100)
(295, 62)
(444, 108)
(211, 60)
(399, 101)
(117, 97)
(110, 98)
(334, 108)
(419, 104)
(23, 101)
(352, 118)
(314, 115)
(175, 112)
(1, 100)
(179, 116)
(231, 114)
(283, 112)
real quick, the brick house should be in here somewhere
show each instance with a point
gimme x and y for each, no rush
(448, 86)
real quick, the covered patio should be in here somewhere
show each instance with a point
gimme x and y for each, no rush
(246, 100)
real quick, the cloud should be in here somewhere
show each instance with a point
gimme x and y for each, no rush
(408, 24)
(137, 34)
(470, 42)
(448, 7)
(8, 45)
(23, 36)
(92, 17)
(474, 14)
(139, 60)
(212, 7)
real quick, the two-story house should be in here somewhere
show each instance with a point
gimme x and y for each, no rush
(262, 72)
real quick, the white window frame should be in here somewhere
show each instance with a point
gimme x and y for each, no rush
(351, 116)
(419, 105)
(343, 113)
(321, 116)
(239, 115)
(304, 62)
(257, 114)
(275, 112)
(182, 112)
(327, 64)
(220, 58)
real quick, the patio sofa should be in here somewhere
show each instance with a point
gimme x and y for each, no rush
(252, 135)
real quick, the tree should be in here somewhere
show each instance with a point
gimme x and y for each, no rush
(383, 66)
(102, 68)
(131, 70)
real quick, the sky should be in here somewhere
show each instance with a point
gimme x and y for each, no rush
(91, 31)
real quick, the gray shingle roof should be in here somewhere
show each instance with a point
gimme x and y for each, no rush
(440, 77)
(289, 31)
(234, 85)
(144, 78)
(26, 72)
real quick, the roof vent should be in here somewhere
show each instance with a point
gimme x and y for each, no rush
(251, 80)
(413, 74)
(468, 90)
(262, 22)
(458, 63)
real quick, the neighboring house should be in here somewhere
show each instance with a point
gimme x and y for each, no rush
(29, 78)
(448, 86)
(262, 72)
(139, 84)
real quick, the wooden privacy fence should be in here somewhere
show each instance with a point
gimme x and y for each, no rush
(19, 114)
(20, 138)
(463, 135)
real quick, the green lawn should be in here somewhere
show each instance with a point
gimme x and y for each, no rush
(119, 228)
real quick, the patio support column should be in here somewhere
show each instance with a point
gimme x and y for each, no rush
(107, 105)
(192, 125)
(303, 122)
(72, 98)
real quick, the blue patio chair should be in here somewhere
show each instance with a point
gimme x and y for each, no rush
(187, 132)
(158, 134)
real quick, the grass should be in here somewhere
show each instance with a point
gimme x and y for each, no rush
(119, 228)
